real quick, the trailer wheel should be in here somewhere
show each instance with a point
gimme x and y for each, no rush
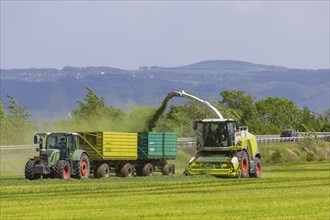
(258, 169)
(29, 173)
(82, 167)
(148, 170)
(243, 163)
(168, 169)
(103, 171)
(126, 170)
(63, 169)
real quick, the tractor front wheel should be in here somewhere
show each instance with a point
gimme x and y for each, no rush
(29, 173)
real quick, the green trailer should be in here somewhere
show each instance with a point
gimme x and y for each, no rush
(154, 149)
(157, 145)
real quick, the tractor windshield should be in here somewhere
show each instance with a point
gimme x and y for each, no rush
(218, 134)
(66, 143)
(55, 141)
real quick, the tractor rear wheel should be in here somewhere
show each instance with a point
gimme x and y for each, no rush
(103, 170)
(127, 170)
(244, 163)
(63, 170)
(148, 170)
(29, 173)
(168, 169)
(258, 170)
(82, 167)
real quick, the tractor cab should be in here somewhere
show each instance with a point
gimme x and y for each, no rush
(215, 134)
(66, 143)
(55, 146)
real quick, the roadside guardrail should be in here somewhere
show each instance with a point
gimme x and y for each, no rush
(261, 139)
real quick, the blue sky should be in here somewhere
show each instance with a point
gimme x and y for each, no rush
(130, 34)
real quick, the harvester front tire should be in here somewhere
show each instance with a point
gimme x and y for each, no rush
(258, 170)
(127, 170)
(103, 171)
(29, 174)
(244, 163)
(168, 169)
(82, 167)
(63, 169)
(148, 170)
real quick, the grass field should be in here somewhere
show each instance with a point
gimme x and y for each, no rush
(294, 191)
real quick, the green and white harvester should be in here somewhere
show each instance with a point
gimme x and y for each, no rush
(223, 148)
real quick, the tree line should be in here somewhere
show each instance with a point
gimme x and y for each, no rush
(265, 116)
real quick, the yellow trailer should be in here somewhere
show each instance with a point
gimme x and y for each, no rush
(109, 145)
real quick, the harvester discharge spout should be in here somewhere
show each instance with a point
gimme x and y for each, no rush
(152, 121)
(186, 95)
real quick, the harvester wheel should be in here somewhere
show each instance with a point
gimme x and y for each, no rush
(29, 174)
(168, 169)
(103, 171)
(127, 170)
(257, 163)
(148, 170)
(82, 167)
(63, 169)
(243, 163)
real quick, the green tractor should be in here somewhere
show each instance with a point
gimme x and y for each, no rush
(223, 148)
(59, 157)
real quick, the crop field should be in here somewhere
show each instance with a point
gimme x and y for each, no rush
(294, 191)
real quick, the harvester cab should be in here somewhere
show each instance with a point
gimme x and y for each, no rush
(215, 133)
(59, 156)
(223, 148)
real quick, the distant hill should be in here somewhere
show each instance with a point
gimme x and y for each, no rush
(50, 93)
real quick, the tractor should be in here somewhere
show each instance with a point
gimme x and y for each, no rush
(224, 149)
(59, 157)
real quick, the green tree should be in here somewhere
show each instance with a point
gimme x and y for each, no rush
(16, 128)
(94, 107)
(93, 115)
(240, 104)
(309, 120)
(241, 107)
(325, 117)
(277, 114)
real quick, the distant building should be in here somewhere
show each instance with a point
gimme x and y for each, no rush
(143, 68)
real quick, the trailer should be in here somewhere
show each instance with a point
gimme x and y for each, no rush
(83, 154)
